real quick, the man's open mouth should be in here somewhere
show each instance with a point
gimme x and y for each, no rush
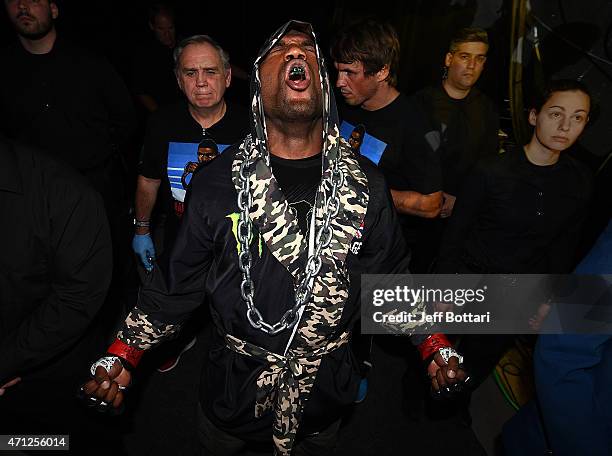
(297, 75)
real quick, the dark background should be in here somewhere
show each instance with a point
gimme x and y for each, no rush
(115, 28)
(567, 30)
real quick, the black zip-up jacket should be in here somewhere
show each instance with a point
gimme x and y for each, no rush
(205, 263)
(55, 260)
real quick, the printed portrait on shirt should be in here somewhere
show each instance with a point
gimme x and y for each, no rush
(361, 142)
(183, 160)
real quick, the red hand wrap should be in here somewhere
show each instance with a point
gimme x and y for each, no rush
(432, 344)
(131, 354)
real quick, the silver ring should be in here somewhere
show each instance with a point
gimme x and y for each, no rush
(106, 362)
(448, 352)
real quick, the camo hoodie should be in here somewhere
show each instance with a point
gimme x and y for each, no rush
(287, 382)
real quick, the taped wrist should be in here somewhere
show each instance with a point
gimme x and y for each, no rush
(432, 345)
(438, 343)
(130, 356)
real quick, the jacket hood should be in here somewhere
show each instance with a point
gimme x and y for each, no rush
(258, 122)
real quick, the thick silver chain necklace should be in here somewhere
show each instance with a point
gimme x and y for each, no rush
(322, 240)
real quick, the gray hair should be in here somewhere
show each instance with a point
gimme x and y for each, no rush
(200, 39)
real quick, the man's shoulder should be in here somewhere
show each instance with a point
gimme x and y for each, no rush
(406, 111)
(384, 117)
(402, 101)
(400, 104)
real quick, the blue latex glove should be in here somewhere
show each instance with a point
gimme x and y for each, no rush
(143, 246)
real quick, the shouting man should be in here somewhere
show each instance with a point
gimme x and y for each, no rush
(287, 204)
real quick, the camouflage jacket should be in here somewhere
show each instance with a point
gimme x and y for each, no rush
(256, 382)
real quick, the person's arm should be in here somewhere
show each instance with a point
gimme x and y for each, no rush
(190, 167)
(165, 301)
(391, 257)
(8, 384)
(142, 243)
(448, 204)
(419, 191)
(146, 196)
(152, 167)
(80, 271)
(415, 203)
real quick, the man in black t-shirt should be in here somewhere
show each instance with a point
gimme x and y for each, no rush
(366, 56)
(172, 137)
(60, 97)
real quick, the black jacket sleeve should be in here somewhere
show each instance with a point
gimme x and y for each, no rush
(384, 245)
(168, 297)
(190, 261)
